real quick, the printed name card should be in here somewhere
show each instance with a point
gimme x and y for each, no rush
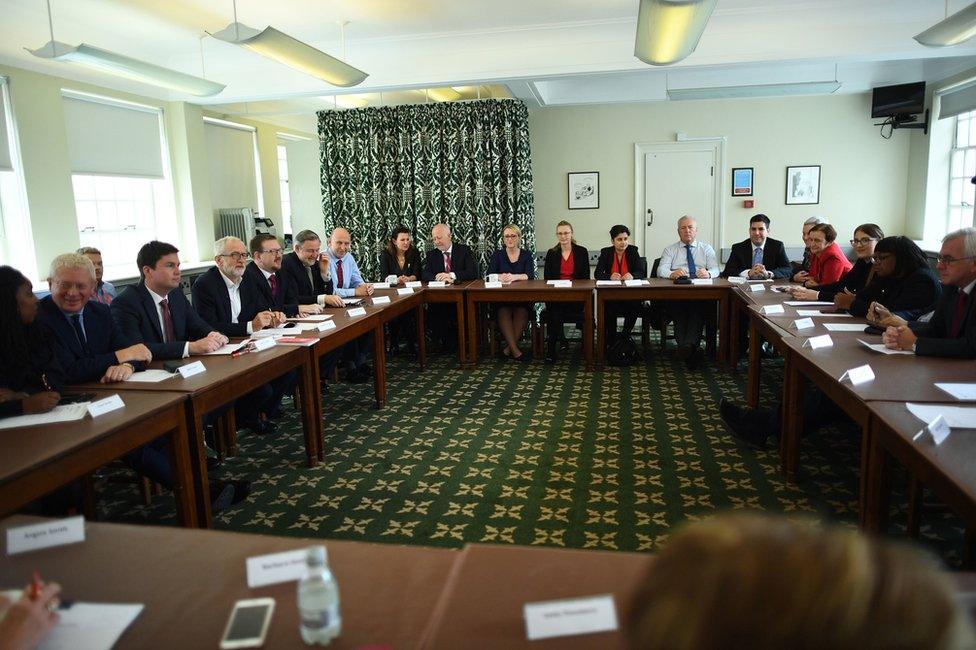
(570, 617)
(803, 323)
(356, 312)
(608, 283)
(416, 284)
(777, 309)
(381, 285)
(436, 283)
(326, 326)
(263, 344)
(404, 292)
(633, 283)
(493, 285)
(46, 534)
(817, 342)
(190, 369)
(858, 375)
(277, 567)
(702, 281)
(560, 284)
(735, 279)
(937, 431)
(102, 406)
(757, 287)
(381, 300)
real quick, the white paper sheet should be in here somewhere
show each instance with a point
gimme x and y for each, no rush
(808, 303)
(63, 413)
(569, 617)
(958, 417)
(816, 313)
(844, 327)
(230, 348)
(90, 626)
(150, 376)
(608, 283)
(880, 347)
(315, 318)
(959, 391)
(352, 301)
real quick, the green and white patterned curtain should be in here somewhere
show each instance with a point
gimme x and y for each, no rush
(466, 164)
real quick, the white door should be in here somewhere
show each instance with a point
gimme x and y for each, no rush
(678, 181)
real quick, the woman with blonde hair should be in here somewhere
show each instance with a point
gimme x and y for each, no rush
(513, 264)
(567, 260)
(752, 581)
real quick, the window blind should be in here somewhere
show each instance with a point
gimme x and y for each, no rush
(958, 100)
(113, 139)
(5, 156)
(230, 150)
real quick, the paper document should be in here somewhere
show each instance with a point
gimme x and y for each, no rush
(817, 312)
(808, 303)
(880, 347)
(959, 391)
(844, 327)
(608, 283)
(278, 331)
(90, 626)
(314, 318)
(230, 348)
(150, 376)
(63, 413)
(352, 301)
(958, 417)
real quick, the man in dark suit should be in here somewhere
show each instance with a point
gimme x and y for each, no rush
(307, 270)
(264, 273)
(448, 262)
(760, 257)
(156, 312)
(952, 330)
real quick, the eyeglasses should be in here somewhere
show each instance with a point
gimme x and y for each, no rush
(949, 259)
(237, 257)
(881, 257)
(273, 251)
(863, 241)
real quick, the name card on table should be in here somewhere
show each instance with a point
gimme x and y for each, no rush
(570, 617)
(381, 285)
(493, 285)
(735, 279)
(381, 300)
(757, 287)
(858, 375)
(817, 342)
(634, 283)
(776, 309)
(436, 284)
(415, 284)
(803, 323)
(561, 284)
(326, 326)
(608, 283)
(274, 568)
(190, 369)
(702, 281)
(937, 431)
(102, 406)
(46, 534)
(404, 292)
(356, 312)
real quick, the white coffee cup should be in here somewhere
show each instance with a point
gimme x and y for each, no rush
(492, 277)
(392, 279)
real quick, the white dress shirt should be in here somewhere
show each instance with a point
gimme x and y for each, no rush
(752, 253)
(675, 257)
(234, 291)
(162, 325)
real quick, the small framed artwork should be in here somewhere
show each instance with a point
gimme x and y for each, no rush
(584, 190)
(803, 185)
(742, 181)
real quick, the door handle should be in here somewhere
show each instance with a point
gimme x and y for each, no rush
(650, 216)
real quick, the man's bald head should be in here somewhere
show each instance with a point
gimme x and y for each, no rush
(339, 242)
(441, 236)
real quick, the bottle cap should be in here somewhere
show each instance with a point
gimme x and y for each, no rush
(316, 556)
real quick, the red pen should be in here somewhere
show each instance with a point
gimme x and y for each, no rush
(35, 587)
(246, 348)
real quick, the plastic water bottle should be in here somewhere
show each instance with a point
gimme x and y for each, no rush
(318, 601)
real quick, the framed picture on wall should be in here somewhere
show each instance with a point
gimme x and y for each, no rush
(803, 185)
(742, 181)
(584, 190)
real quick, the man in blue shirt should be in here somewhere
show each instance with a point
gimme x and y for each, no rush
(105, 292)
(348, 283)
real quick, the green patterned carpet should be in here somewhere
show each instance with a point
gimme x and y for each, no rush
(532, 454)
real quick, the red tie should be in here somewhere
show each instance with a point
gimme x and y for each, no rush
(273, 281)
(447, 263)
(169, 334)
(339, 274)
(960, 316)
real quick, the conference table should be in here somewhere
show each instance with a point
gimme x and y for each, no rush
(451, 294)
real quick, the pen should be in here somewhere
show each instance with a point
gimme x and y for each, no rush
(35, 586)
(245, 349)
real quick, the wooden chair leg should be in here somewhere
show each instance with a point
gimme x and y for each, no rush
(915, 493)
(146, 490)
(89, 499)
(536, 340)
(296, 400)
(492, 336)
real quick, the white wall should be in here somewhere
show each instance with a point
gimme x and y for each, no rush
(863, 176)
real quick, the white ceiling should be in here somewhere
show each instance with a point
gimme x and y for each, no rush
(548, 52)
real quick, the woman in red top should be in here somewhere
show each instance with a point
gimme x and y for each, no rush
(828, 263)
(567, 260)
(621, 261)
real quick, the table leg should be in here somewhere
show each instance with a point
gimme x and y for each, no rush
(724, 358)
(875, 480)
(588, 332)
(310, 395)
(735, 324)
(379, 366)
(421, 338)
(472, 331)
(792, 423)
(183, 485)
(601, 314)
(755, 366)
(198, 465)
(461, 340)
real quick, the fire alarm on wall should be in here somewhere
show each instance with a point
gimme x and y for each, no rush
(749, 203)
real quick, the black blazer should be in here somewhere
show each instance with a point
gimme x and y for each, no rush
(411, 265)
(774, 259)
(933, 336)
(137, 320)
(212, 302)
(42, 367)
(462, 263)
(854, 280)
(101, 333)
(636, 266)
(283, 299)
(581, 263)
(908, 297)
(293, 270)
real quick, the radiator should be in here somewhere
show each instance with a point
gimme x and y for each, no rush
(235, 222)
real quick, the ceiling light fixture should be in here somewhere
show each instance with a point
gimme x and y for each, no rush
(123, 66)
(959, 27)
(292, 52)
(763, 90)
(444, 94)
(351, 101)
(669, 30)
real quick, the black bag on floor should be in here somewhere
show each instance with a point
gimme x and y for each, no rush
(623, 353)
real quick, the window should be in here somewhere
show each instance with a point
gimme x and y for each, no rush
(962, 169)
(16, 241)
(283, 186)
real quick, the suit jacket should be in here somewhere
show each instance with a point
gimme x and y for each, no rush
(774, 259)
(635, 265)
(933, 336)
(212, 302)
(284, 299)
(854, 280)
(908, 297)
(101, 333)
(581, 263)
(137, 319)
(42, 371)
(829, 265)
(294, 271)
(411, 264)
(462, 263)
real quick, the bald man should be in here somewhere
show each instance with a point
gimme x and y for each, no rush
(343, 269)
(448, 262)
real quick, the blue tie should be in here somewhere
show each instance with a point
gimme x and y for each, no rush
(691, 261)
(757, 256)
(80, 333)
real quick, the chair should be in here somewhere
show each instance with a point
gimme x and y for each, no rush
(656, 316)
(493, 334)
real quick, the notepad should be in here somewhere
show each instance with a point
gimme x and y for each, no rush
(150, 376)
(63, 413)
(957, 417)
(959, 391)
(817, 312)
(880, 347)
(229, 348)
(844, 327)
(808, 303)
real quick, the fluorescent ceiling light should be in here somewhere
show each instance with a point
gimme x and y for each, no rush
(443, 94)
(292, 52)
(124, 66)
(350, 101)
(669, 30)
(959, 27)
(765, 90)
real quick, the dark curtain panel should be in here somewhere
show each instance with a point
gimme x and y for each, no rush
(466, 164)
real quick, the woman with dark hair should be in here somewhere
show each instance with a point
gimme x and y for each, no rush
(827, 262)
(400, 257)
(841, 293)
(903, 282)
(567, 260)
(30, 376)
(621, 261)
